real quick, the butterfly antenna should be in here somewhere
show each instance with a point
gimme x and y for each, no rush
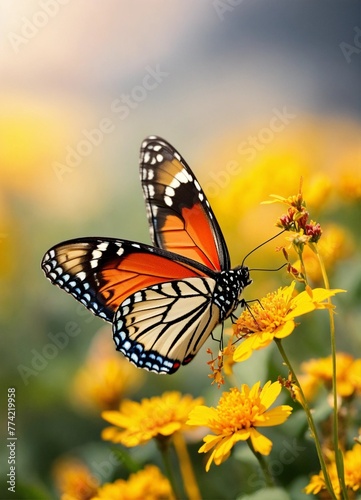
(261, 245)
(265, 269)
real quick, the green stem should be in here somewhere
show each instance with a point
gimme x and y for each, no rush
(338, 452)
(310, 420)
(263, 464)
(164, 448)
(189, 478)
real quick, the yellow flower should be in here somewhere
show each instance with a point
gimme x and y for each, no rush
(352, 466)
(105, 377)
(157, 417)
(349, 181)
(74, 480)
(238, 414)
(147, 484)
(274, 317)
(348, 374)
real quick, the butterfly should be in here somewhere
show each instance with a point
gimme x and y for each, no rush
(164, 300)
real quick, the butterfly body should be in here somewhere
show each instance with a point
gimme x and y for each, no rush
(163, 300)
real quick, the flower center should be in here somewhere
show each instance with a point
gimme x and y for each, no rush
(236, 411)
(265, 316)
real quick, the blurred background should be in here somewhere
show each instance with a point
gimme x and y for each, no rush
(254, 95)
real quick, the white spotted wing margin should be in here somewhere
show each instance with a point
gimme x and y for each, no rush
(162, 327)
(73, 265)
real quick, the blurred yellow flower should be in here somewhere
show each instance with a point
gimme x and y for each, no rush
(348, 375)
(349, 180)
(106, 377)
(319, 189)
(74, 480)
(146, 484)
(238, 414)
(274, 317)
(157, 417)
(352, 466)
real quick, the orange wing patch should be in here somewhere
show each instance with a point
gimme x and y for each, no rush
(127, 275)
(195, 240)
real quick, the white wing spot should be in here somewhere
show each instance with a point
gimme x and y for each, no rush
(169, 191)
(96, 254)
(168, 201)
(175, 183)
(134, 357)
(159, 157)
(127, 345)
(181, 177)
(103, 246)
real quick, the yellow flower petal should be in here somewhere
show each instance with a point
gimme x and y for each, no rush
(260, 443)
(269, 393)
(285, 330)
(200, 415)
(224, 447)
(250, 344)
(321, 294)
(276, 416)
(209, 442)
(210, 460)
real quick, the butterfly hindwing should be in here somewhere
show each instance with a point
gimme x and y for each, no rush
(163, 326)
(101, 273)
(179, 215)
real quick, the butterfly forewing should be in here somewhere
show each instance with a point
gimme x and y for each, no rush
(179, 215)
(102, 273)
